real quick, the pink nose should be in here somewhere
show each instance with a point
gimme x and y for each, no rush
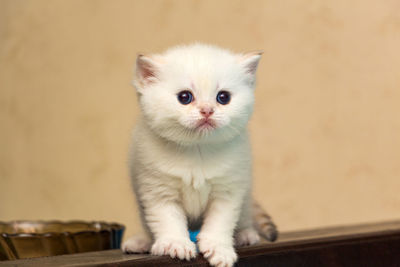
(206, 111)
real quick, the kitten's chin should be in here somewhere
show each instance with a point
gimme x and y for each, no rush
(205, 126)
(205, 134)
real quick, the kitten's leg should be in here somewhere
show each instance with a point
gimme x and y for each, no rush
(245, 233)
(169, 227)
(164, 217)
(216, 236)
(139, 243)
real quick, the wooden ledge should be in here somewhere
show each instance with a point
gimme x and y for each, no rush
(358, 245)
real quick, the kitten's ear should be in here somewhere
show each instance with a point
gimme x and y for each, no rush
(146, 70)
(250, 61)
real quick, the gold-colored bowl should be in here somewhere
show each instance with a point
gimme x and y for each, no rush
(30, 239)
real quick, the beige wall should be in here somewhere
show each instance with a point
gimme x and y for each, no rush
(326, 126)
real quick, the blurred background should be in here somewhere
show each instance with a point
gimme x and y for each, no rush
(326, 128)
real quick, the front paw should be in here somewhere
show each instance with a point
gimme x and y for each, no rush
(181, 248)
(217, 253)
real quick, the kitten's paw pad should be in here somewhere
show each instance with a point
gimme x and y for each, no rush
(137, 244)
(176, 248)
(246, 237)
(217, 253)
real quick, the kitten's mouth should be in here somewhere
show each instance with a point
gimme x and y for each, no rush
(205, 124)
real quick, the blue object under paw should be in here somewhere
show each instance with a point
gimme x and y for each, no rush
(193, 235)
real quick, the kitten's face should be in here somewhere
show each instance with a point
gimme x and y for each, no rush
(197, 94)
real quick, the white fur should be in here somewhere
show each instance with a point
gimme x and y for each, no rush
(185, 177)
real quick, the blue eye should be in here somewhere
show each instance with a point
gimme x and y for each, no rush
(223, 97)
(185, 97)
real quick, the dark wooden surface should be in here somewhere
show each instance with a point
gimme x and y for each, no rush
(358, 245)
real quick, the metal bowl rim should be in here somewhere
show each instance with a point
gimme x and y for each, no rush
(111, 226)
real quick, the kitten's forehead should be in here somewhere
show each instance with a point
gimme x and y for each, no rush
(204, 86)
(201, 67)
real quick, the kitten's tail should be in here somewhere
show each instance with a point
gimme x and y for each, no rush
(263, 223)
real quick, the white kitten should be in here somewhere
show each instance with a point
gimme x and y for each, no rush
(191, 160)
